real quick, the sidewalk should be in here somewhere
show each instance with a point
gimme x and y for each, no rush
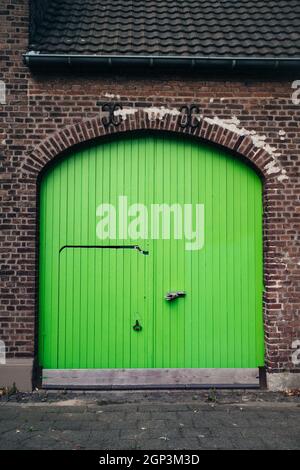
(150, 420)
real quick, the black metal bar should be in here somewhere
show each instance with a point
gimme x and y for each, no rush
(263, 378)
(100, 247)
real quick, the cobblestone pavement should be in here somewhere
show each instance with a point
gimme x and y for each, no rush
(150, 420)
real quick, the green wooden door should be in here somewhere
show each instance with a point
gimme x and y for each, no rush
(206, 242)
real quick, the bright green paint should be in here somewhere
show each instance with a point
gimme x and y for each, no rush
(91, 298)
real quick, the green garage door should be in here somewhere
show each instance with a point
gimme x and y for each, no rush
(126, 223)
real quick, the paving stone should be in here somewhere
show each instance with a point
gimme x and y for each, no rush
(164, 408)
(154, 444)
(150, 424)
(202, 432)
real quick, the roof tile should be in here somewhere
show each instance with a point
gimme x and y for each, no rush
(254, 28)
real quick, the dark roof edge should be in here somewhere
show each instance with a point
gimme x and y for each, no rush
(35, 60)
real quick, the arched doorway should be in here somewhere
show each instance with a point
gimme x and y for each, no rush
(151, 258)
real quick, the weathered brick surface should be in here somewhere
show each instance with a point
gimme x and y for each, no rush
(47, 114)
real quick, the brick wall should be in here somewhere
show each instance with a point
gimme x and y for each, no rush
(39, 106)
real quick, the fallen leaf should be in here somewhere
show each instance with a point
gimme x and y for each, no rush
(292, 393)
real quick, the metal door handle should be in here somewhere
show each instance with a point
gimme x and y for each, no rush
(174, 295)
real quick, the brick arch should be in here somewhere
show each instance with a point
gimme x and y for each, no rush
(92, 129)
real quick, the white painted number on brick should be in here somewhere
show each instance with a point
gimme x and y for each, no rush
(2, 92)
(296, 93)
(296, 354)
(2, 352)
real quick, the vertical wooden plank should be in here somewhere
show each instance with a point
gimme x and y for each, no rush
(98, 265)
(209, 247)
(188, 260)
(195, 286)
(91, 268)
(119, 299)
(46, 257)
(259, 275)
(150, 260)
(167, 251)
(181, 277)
(201, 291)
(65, 351)
(72, 343)
(224, 272)
(127, 264)
(158, 262)
(216, 261)
(55, 266)
(230, 275)
(106, 178)
(244, 267)
(237, 269)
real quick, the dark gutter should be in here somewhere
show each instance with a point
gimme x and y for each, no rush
(36, 60)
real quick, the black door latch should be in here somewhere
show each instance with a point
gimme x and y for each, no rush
(137, 327)
(174, 295)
